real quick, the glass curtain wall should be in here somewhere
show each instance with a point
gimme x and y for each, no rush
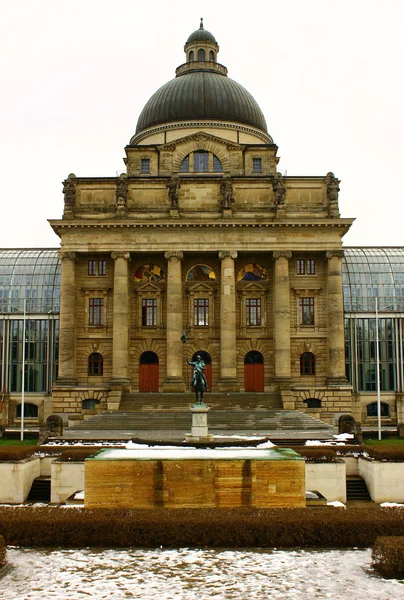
(370, 274)
(30, 281)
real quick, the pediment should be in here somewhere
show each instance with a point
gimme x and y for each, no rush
(148, 287)
(201, 138)
(253, 287)
(200, 287)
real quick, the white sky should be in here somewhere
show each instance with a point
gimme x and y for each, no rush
(327, 74)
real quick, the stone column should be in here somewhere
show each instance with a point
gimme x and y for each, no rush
(174, 380)
(282, 317)
(120, 321)
(335, 311)
(67, 322)
(228, 381)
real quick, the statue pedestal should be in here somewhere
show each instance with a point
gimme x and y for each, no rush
(199, 430)
(174, 213)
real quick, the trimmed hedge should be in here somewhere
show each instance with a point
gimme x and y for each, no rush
(391, 453)
(316, 453)
(388, 556)
(12, 453)
(3, 552)
(241, 527)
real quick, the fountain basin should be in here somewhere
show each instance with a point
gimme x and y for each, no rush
(195, 478)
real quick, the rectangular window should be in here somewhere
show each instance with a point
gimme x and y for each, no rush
(306, 310)
(201, 311)
(149, 312)
(102, 267)
(311, 267)
(96, 312)
(253, 312)
(92, 267)
(201, 162)
(257, 165)
(300, 267)
(145, 165)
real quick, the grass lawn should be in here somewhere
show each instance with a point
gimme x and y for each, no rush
(18, 442)
(385, 442)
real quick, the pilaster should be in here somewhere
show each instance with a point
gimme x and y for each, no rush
(335, 310)
(67, 323)
(228, 381)
(120, 326)
(282, 317)
(174, 381)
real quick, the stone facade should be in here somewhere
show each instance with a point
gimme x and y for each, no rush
(251, 269)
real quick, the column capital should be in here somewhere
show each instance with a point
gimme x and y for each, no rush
(174, 255)
(62, 255)
(125, 255)
(334, 253)
(282, 254)
(228, 254)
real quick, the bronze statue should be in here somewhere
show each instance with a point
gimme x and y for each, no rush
(173, 191)
(279, 188)
(198, 381)
(69, 191)
(226, 189)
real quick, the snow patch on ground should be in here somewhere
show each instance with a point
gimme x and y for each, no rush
(189, 574)
(336, 504)
(390, 504)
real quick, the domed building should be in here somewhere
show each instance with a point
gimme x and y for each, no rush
(201, 239)
(202, 235)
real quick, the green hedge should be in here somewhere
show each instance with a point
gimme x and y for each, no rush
(391, 453)
(388, 556)
(241, 527)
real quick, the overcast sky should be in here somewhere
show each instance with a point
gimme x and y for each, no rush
(327, 74)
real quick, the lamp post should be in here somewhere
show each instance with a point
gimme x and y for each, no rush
(23, 371)
(379, 420)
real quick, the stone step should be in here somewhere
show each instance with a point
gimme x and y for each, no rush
(217, 420)
(40, 490)
(135, 402)
(356, 489)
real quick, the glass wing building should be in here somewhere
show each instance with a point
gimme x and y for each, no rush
(373, 280)
(29, 322)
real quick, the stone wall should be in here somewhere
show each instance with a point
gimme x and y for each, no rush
(16, 479)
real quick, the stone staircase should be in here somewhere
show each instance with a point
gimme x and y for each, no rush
(40, 490)
(243, 412)
(356, 488)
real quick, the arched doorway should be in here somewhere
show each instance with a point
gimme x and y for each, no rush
(253, 372)
(149, 372)
(208, 362)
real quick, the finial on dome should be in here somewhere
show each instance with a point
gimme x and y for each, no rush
(201, 25)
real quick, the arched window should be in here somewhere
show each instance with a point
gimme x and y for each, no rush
(191, 56)
(30, 411)
(307, 364)
(211, 56)
(372, 409)
(95, 364)
(313, 402)
(252, 272)
(200, 272)
(149, 272)
(201, 162)
(201, 54)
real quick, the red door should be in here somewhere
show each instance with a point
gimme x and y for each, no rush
(254, 377)
(149, 378)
